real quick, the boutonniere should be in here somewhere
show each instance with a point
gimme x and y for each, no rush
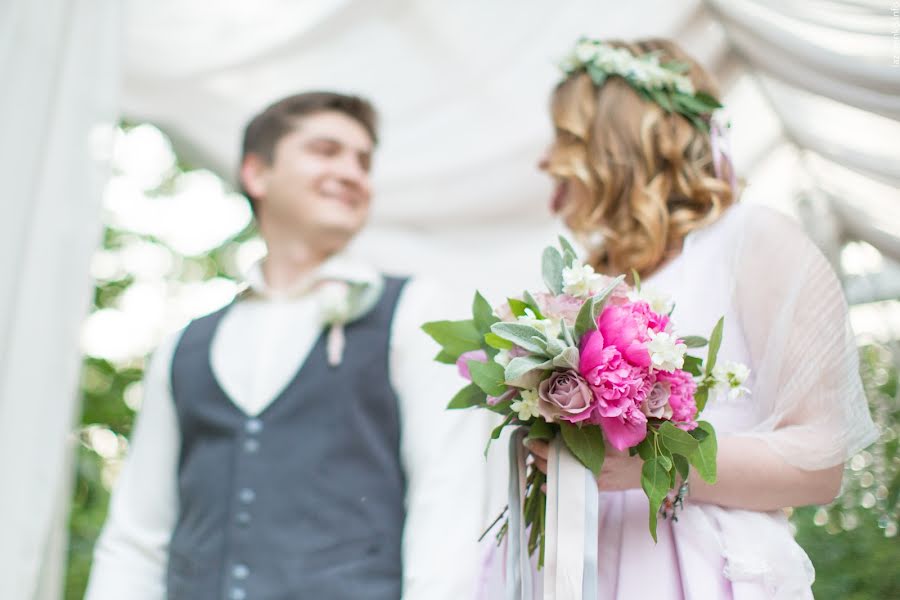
(340, 303)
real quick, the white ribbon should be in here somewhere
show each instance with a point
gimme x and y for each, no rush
(571, 527)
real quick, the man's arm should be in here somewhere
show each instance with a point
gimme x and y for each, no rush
(131, 554)
(442, 456)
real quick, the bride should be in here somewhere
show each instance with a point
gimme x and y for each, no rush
(644, 185)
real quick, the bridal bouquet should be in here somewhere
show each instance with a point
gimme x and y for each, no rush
(598, 363)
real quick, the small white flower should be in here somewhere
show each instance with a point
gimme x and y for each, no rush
(551, 328)
(581, 281)
(659, 302)
(730, 378)
(684, 85)
(585, 51)
(666, 352)
(527, 405)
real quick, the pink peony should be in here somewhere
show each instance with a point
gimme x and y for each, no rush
(681, 397)
(626, 430)
(617, 384)
(625, 328)
(565, 395)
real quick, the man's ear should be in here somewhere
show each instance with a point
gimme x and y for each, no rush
(253, 175)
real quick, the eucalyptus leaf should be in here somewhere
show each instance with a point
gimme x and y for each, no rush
(455, 337)
(715, 342)
(567, 247)
(521, 366)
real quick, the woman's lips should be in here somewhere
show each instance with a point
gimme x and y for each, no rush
(559, 196)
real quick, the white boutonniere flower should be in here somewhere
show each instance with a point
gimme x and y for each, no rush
(341, 302)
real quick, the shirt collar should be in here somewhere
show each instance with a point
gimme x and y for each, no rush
(339, 267)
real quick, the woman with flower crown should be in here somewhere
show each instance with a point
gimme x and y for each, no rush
(645, 184)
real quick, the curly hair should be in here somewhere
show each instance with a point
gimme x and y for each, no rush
(638, 176)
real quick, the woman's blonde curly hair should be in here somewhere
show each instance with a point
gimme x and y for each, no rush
(640, 177)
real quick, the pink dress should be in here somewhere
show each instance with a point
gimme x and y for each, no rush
(712, 552)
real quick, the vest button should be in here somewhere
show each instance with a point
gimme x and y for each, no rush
(247, 496)
(240, 571)
(237, 594)
(251, 446)
(243, 518)
(253, 426)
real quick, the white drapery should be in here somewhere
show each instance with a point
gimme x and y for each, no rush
(462, 88)
(60, 81)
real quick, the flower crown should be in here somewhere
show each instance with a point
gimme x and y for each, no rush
(663, 83)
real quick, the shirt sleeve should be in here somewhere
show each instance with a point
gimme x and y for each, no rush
(795, 319)
(131, 554)
(442, 455)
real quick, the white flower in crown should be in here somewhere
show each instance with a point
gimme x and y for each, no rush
(581, 280)
(585, 51)
(730, 378)
(527, 405)
(666, 352)
(659, 302)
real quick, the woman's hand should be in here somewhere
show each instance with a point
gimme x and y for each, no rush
(619, 472)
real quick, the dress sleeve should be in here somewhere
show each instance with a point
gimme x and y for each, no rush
(794, 317)
(131, 554)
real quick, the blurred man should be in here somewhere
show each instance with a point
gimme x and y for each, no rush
(286, 439)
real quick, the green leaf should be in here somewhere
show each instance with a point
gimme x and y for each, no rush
(708, 100)
(665, 461)
(540, 430)
(586, 443)
(552, 268)
(570, 258)
(692, 365)
(533, 304)
(587, 317)
(482, 314)
(501, 408)
(700, 397)
(497, 431)
(647, 449)
(676, 440)
(444, 357)
(521, 335)
(469, 396)
(495, 341)
(489, 376)
(699, 434)
(715, 342)
(694, 341)
(567, 359)
(682, 466)
(704, 459)
(567, 248)
(637, 280)
(566, 332)
(655, 481)
(517, 306)
(455, 337)
(521, 366)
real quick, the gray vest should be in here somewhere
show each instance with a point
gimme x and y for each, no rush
(306, 499)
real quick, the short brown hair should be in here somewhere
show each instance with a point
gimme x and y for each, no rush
(264, 131)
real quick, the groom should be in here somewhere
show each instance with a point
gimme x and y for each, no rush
(286, 439)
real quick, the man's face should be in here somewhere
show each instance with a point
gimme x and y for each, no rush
(318, 182)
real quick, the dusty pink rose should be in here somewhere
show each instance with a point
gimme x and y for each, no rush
(626, 430)
(681, 397)
(656, 404)
(617, 384)
(462, 363)
(565, 395)
(563, 306)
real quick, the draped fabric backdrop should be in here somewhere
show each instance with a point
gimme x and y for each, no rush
(813, 92)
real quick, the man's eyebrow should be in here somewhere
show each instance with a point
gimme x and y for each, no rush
(337, 142)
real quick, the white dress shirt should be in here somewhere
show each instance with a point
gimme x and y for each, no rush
(260, 343)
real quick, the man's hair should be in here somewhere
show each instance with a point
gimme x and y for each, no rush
(266, 129)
